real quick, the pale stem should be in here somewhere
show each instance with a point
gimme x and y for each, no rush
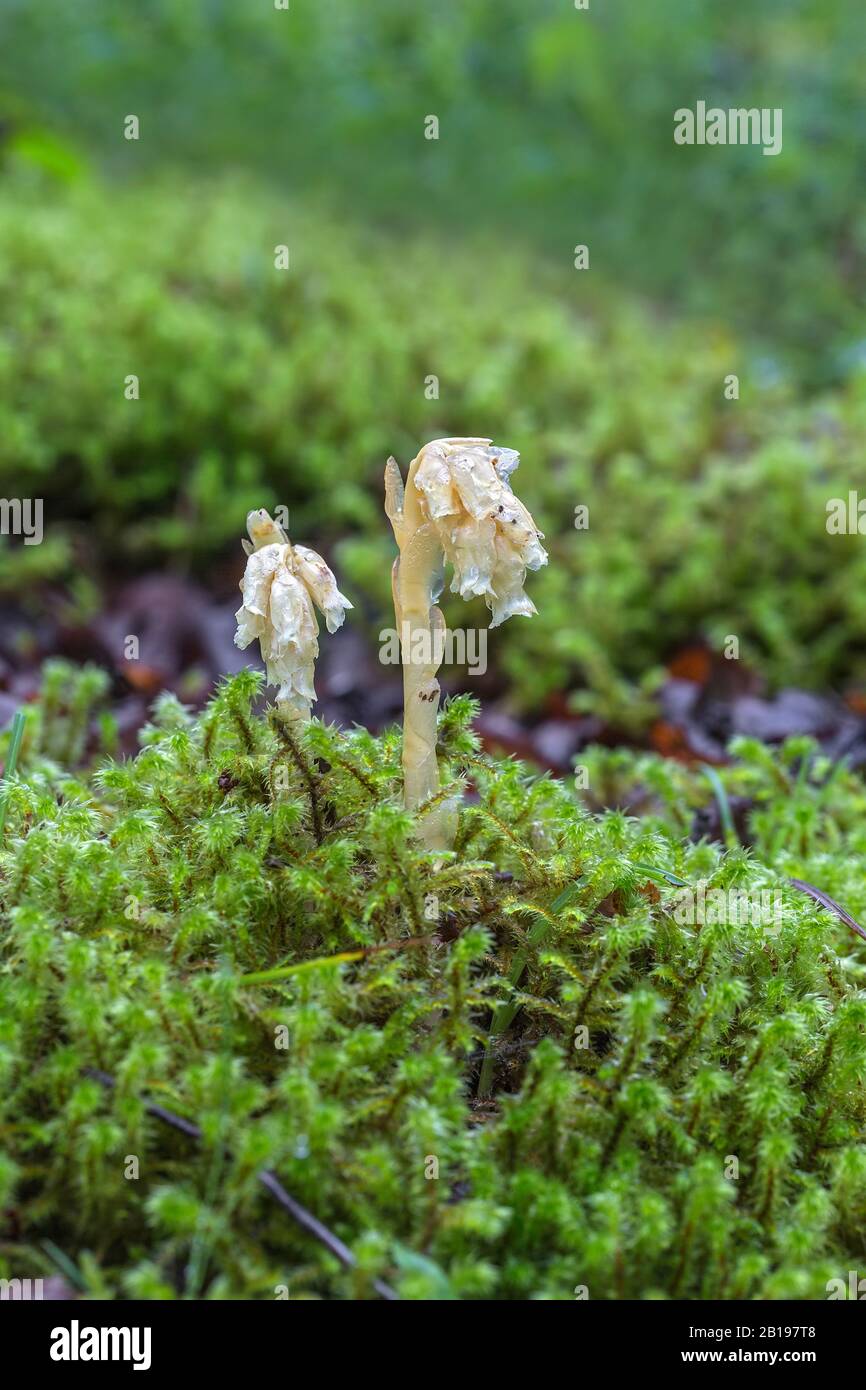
(421, 627)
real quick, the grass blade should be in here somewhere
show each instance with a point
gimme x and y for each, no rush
(19, 720)
(732, 839)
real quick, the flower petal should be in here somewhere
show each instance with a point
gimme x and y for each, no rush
(258, 575)
(252, 616)
(476, 481)
(322, 586)
(518, 530)
(292, 619)
(509, 573)
(486, 532)
(470, 549)
(433, 479)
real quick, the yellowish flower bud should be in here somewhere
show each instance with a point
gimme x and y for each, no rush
(281, 584)
(485, 531)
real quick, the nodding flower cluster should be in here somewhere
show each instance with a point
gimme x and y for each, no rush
(487, 534)
(281, 584)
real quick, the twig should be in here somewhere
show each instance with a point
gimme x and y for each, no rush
(269, 1181)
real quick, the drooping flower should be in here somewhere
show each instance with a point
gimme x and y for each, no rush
(457, 502)
(485, 531)
(281, 584)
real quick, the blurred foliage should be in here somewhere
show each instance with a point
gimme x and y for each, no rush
(259, 387)
(556, 127)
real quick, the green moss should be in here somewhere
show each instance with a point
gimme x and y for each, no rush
(166, 921)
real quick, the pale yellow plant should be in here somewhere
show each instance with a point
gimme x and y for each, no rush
(457, 504)
(283, 584)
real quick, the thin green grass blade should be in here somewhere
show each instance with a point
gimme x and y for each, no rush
(732, 839)
(19, 721)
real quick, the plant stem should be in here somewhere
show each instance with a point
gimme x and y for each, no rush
(421, 629)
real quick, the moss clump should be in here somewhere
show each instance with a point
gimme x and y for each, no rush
(165, 921)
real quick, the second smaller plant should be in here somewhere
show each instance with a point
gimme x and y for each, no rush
(281, 584)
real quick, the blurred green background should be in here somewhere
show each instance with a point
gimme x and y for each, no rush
(452, 258)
